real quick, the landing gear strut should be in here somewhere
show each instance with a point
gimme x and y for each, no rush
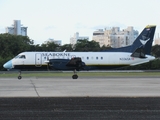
(19, 76)
(75, 76)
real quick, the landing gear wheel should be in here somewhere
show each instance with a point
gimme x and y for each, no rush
(75, 76)
(19, 77)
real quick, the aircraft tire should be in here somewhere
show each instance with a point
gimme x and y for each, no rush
(75, 76)
(19, 77)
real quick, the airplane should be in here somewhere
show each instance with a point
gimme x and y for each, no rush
(137, 53)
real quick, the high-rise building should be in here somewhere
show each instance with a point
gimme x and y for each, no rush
(114, 37)
(73, 40)
(17, 29)
(156, 39)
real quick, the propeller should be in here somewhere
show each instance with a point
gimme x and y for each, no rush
(47, 62)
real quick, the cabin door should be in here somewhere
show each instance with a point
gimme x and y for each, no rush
(38, 60)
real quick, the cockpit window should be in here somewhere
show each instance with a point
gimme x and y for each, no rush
(20, 56)
(16, 56)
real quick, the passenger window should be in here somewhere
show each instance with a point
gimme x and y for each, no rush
(97, 58)
(87, 58)
(101, 58)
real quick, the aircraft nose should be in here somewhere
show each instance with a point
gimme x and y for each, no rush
(8, 65)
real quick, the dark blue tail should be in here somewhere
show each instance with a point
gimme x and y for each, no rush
(143, 41)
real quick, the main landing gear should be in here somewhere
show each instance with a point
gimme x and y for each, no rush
(75, 76)
(19, 76)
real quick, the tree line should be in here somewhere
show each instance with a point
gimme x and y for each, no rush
(12, 45)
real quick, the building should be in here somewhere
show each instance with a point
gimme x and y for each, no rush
(58, 42)
(157, 39)
(114, 37)
(73, 40)
(17, 29)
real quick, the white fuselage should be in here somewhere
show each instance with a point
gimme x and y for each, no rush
(39, 59)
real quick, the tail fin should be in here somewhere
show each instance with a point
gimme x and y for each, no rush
(144, 40)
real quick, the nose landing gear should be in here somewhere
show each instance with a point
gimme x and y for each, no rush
(19, 76)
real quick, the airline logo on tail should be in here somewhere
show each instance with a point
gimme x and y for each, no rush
(145, 39)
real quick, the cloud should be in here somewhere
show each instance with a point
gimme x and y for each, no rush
(117, 24)
(80, 26)
(98, 27)
(109, 25)
(50, 27)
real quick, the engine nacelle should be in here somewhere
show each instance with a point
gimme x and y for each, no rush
(67, 64)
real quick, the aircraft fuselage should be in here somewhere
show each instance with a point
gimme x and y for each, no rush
(93, 60)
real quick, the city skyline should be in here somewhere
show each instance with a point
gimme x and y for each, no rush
(61, 19)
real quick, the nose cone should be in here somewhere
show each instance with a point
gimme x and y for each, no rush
(8, 65)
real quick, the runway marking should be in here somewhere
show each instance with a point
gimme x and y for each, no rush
(35, 88)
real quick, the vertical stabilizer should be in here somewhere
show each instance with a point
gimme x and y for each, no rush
(144, 40)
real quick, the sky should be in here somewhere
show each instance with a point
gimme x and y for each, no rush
(60, 19)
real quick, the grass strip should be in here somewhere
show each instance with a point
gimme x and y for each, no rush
(87, 74)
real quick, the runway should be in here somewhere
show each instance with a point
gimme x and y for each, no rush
(82, 87)
(87, 98)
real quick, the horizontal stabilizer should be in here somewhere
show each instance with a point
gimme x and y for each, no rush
(139, 63)
(139, 53)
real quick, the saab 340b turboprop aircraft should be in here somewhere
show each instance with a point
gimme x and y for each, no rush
(137, 53)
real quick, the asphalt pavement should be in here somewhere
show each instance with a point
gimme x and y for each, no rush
(87, 98)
